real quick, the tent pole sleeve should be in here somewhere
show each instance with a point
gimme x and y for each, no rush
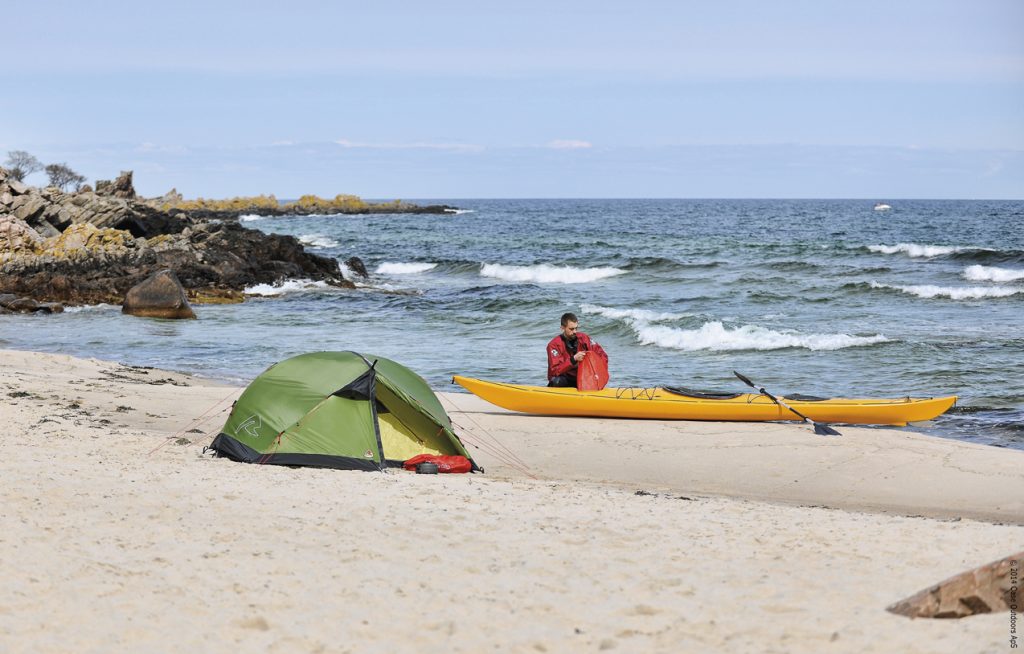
(373, 414)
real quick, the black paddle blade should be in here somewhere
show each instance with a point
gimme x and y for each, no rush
(825, 430)
(744, 379)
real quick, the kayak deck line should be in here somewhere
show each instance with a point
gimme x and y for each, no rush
(658, 404)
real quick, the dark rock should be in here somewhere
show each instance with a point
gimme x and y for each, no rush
(159, 296)
(90, 247)
(356, 265)
(51, 307)
(213, 260)
(436, 208)
(13, 303)
(22, 304)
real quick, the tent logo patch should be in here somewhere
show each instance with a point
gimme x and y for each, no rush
(250, 426)
(368, 454)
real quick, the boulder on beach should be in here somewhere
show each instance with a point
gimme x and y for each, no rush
(159, 296)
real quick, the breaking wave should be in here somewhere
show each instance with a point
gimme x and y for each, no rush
(917, 251)
(285, 287)
(715, 336)
(251, 217)
(979, 273)
(635, 315)
(102, 306)
(398, 268)
(929, 291)
(547, 274)
(318, 241)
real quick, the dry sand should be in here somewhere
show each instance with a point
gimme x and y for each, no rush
(118, 534)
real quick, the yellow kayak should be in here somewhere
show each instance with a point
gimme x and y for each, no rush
(680, 404)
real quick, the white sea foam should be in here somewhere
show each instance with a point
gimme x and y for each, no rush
(992, 274)
(717, 337)
(547, 274)
(92, 307)
(398, 268)
(917, 251)
(631, 315)
(459, 211)
(318, 241)
(929, 291)
(250, 217)
(287, 286)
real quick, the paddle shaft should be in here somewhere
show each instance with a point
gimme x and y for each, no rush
(762, 391)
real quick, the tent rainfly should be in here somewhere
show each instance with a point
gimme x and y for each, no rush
(337, 410)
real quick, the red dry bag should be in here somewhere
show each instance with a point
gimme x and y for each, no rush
(445, 463)
(592, 373)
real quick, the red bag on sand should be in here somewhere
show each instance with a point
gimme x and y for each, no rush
(592, 373)
(445, 463)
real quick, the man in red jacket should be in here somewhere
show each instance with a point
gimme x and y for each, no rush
(566, 350)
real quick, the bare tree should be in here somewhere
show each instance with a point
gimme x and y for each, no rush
(62, 176)
(21, 164)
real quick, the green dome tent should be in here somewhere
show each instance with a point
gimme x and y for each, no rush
(337, 410)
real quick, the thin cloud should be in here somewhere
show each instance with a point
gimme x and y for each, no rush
(569, 144)
(167, 149)
(416, 145)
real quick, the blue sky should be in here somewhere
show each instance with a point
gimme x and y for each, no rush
(875, 100)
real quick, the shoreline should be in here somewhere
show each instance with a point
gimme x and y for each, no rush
(860, 471)
(139, 541)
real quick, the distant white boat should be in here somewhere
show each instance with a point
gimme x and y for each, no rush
(881, 206)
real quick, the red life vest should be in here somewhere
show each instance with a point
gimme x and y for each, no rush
(560, 361)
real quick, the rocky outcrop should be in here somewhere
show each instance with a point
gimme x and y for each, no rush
(49, 211)
(121, 187)
(291, 210)
(10, 303)
(268, 205)
(87, 247)
(158, 296)
(991, 588)
(17, 237)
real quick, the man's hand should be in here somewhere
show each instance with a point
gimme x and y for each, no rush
(579, 356)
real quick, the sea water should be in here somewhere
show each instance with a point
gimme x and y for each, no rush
(823, 297)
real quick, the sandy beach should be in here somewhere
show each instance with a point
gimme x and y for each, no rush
(583, 535)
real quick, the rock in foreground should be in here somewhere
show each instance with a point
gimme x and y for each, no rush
(987, 589)
(159, 296)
